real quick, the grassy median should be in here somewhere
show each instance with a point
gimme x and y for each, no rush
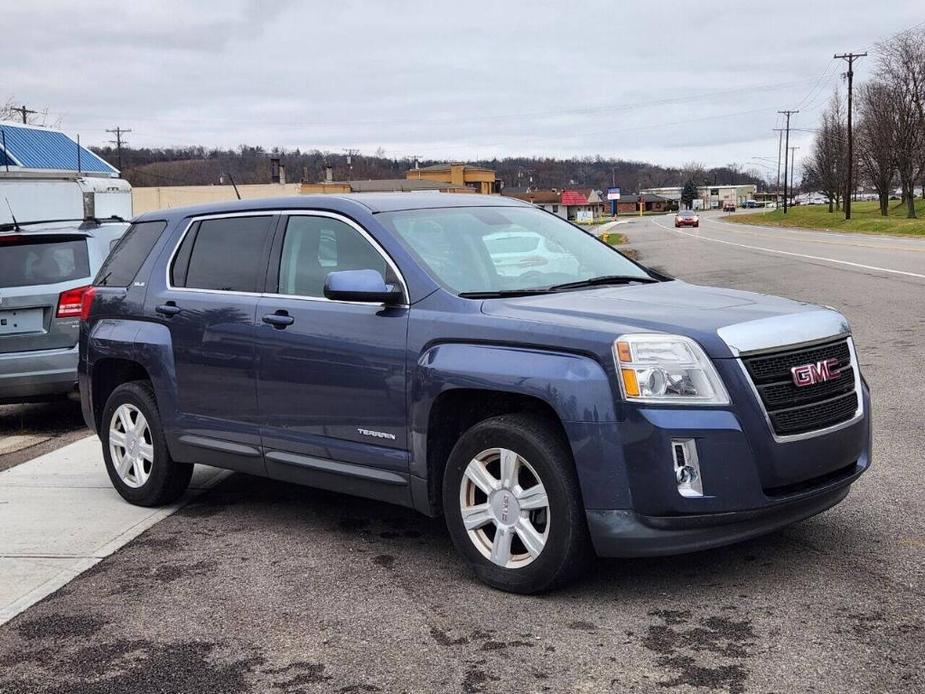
(865, 218)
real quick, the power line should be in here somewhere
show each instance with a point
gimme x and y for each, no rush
(850, 58)
(118, 142)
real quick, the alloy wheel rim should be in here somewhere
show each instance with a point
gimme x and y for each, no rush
(505, 508)
(130, 445)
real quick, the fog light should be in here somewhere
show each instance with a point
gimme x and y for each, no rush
(687, 467)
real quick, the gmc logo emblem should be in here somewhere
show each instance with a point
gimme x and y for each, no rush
(811, 374)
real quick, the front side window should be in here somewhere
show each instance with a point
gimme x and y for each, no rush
(499, 249)
(313, 247)
(223, 254)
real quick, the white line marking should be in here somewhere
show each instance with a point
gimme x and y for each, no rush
(808, 238)
(795, 255)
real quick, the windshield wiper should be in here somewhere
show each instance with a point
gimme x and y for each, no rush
(504, 293)
(600, 281)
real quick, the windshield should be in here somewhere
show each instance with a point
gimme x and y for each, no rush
(491, 249)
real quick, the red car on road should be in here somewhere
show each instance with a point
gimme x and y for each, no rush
(686, 219)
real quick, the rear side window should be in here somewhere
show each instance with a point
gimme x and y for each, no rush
(33, 260)
(129, 254)
(224, 255)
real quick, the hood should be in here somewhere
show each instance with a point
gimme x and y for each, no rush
(673, 307)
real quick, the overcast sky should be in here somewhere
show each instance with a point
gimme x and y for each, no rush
(664, 82)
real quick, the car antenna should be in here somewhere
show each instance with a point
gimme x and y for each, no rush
(16, 226)
(233, 184)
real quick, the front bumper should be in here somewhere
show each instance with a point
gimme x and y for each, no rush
(752, 485)
(628, 534)
(40, 374)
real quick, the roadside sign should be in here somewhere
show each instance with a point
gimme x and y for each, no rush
(613, 193)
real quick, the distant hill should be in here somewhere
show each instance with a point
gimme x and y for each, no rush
(246, 164)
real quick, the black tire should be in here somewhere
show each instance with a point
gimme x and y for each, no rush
(567, 551)
(167, 479)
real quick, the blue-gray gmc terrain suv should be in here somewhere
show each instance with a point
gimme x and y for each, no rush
(470, 356)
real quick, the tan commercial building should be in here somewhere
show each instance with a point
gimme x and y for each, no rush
(167, 197)
(479, 180)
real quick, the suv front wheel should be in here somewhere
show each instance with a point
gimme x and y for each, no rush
(513, 506)
(136, 455)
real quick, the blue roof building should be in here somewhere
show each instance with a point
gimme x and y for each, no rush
(31, 148)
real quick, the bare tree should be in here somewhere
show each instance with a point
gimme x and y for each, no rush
(876, 139)
(901, 63)
(825, 168)
(693, 171)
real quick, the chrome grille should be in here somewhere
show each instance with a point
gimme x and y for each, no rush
(796, 410)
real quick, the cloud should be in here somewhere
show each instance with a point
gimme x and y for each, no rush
(669, 83)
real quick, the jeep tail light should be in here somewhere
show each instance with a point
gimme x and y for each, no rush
(70, 302)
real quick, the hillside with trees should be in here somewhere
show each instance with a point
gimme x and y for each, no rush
(251, 164)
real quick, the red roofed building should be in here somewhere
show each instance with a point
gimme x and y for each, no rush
(573, 198)
(574, 205)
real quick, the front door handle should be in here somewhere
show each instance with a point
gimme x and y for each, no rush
(279, 320)
(169, 309)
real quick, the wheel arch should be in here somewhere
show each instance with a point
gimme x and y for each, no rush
(455, 386)
(120, 351)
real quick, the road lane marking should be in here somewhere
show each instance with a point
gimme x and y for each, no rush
(727, 225)
(795, 255)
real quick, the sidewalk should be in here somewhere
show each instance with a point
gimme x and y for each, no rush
(604, 228)
(59, 515)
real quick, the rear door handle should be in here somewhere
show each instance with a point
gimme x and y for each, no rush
(278, 320)
(169, 309)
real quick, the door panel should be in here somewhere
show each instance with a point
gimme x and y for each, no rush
(331, 382)
(211, 311)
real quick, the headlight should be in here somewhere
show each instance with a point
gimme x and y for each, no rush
(660, 368)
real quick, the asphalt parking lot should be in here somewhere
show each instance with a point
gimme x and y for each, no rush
(28, 430)
(259, 587)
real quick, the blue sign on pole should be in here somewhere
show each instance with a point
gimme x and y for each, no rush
(613, 194)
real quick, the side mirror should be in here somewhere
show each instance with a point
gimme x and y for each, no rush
(360, 285)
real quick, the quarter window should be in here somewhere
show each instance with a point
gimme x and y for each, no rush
(223, 254)
(129, 253)
(313, 247)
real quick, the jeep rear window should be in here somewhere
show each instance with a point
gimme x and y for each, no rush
(129, 254)
(30, 260)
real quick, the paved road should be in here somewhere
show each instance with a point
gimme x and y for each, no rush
(258, 587)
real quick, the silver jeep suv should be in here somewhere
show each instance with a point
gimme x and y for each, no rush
(45, 267)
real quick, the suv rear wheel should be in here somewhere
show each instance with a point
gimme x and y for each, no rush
(513, 506)
(137, 460)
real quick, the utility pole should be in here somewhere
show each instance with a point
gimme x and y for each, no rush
(24, 112)
(118, 142)
(780, 142)
(793, 164)
(786, 149)
(850, 58)
(351, 153)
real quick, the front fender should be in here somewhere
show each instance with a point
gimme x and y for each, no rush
(576, 388)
